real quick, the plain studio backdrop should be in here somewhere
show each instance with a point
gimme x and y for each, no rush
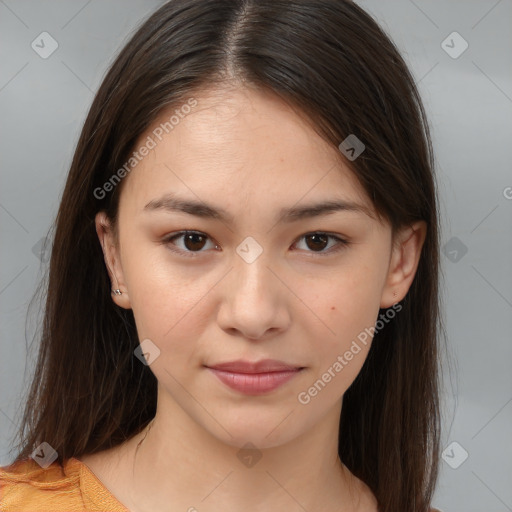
(459, 53)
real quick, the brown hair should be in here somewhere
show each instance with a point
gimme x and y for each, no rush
(331, 61)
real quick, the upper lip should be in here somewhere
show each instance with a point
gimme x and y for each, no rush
(263, 366)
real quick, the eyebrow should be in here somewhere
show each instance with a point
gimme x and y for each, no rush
(172, 203)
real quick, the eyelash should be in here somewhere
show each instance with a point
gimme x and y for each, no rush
(167, 241)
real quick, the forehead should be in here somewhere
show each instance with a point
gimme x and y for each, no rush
(239, 147)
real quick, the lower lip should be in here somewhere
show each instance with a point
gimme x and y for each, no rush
(254, 383)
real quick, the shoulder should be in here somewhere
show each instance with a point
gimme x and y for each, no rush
(26, 485)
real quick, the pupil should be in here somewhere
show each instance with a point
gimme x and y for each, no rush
(323, 239)
(191, 238)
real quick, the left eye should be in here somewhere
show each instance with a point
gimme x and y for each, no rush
(320, 239)
(194, 241)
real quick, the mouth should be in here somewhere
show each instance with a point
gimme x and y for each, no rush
(255, 378)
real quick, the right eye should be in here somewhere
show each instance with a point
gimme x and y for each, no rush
(193, 241)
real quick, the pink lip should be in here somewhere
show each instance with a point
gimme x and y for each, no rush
(254, 378)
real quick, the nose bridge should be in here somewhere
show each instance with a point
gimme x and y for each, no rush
(250, 267)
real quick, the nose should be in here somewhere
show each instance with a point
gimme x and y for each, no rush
(254, 301)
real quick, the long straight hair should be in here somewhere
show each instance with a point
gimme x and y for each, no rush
(332, 62)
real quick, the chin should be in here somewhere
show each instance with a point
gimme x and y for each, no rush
(260, 432)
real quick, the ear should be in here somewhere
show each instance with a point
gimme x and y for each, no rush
(404, 260)
(112, 260)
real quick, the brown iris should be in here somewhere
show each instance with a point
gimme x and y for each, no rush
(317, 239)
(194, 241)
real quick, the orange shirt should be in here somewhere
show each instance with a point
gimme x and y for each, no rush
(27, 487)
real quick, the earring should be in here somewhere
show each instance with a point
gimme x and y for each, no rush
(117, 292)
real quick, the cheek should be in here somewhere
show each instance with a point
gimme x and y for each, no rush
(346, 306)
(168, 303)
(347, 301)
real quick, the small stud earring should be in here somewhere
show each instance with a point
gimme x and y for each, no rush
(117, 292)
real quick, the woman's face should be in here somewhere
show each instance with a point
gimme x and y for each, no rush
(254, 282)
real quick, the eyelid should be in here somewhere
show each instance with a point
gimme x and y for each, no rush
(341, 242)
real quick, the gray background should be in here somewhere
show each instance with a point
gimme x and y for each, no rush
(468, 99)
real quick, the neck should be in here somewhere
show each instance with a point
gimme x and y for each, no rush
(178, 464)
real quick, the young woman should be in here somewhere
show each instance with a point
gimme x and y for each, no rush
(242, 308)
